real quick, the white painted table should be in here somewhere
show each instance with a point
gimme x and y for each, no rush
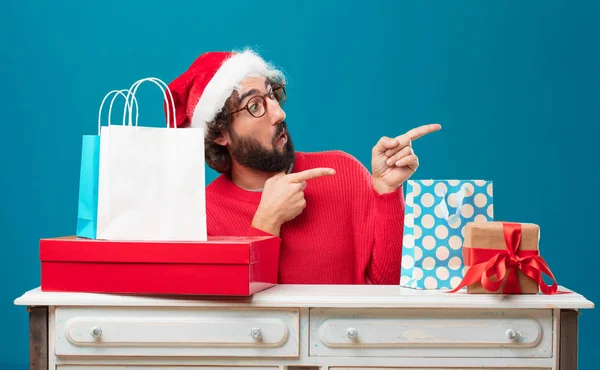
(327, 326)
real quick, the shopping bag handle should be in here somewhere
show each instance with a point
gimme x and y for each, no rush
(460, 196)
(116, 93)
(137, 115)
(158, 82)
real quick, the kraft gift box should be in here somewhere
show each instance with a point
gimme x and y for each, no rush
(491, 236)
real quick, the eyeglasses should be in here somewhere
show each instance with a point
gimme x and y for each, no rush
(257, 105)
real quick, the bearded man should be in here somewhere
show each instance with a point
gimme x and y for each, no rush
(336, 222)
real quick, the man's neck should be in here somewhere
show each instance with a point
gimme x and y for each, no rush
(248, 179)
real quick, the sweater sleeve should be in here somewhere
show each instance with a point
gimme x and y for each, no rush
(388, 229)
(253, 231)
(378, 223)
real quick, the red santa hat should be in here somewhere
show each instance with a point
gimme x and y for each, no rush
(200, 92)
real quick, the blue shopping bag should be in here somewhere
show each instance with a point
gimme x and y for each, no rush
(436, 214)
(87, 209)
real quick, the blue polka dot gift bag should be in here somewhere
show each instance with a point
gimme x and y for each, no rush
(436, 214)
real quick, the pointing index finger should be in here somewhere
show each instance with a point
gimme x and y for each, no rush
(421, 131)
(311, 174)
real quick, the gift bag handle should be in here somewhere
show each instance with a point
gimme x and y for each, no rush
(137, 115)
(452, 218)
(116, 93)
(158, 82)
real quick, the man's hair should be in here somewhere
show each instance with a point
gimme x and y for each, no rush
(217, 157)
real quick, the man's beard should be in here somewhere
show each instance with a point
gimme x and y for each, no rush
(250, 153)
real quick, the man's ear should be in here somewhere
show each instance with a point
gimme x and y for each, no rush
(223, 139)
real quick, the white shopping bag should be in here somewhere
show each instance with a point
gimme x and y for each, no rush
(151, 180)
(87, 211)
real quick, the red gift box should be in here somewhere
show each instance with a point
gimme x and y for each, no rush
(237, 266)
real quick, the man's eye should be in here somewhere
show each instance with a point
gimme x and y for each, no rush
(253, 107)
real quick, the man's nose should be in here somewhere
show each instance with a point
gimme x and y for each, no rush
(276, 113)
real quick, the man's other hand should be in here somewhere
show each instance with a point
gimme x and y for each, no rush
(393, 159)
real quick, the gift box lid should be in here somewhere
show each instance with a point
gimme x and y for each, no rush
(216, 250)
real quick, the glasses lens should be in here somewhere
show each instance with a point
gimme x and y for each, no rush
(256, 106)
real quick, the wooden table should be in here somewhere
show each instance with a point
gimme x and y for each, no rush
(304, 326)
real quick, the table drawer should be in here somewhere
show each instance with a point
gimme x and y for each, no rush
(177, 332)
(430, 333)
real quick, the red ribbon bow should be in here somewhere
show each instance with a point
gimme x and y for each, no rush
(486, 263)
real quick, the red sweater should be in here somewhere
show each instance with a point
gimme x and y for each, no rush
(347, 234)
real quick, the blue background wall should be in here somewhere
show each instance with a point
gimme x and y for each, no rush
(514, 84)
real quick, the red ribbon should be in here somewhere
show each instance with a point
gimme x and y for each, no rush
(486, 263)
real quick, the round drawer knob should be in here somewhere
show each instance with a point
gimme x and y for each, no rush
(96, 332)
(256, 334)
(351, 333)
(512, 334)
